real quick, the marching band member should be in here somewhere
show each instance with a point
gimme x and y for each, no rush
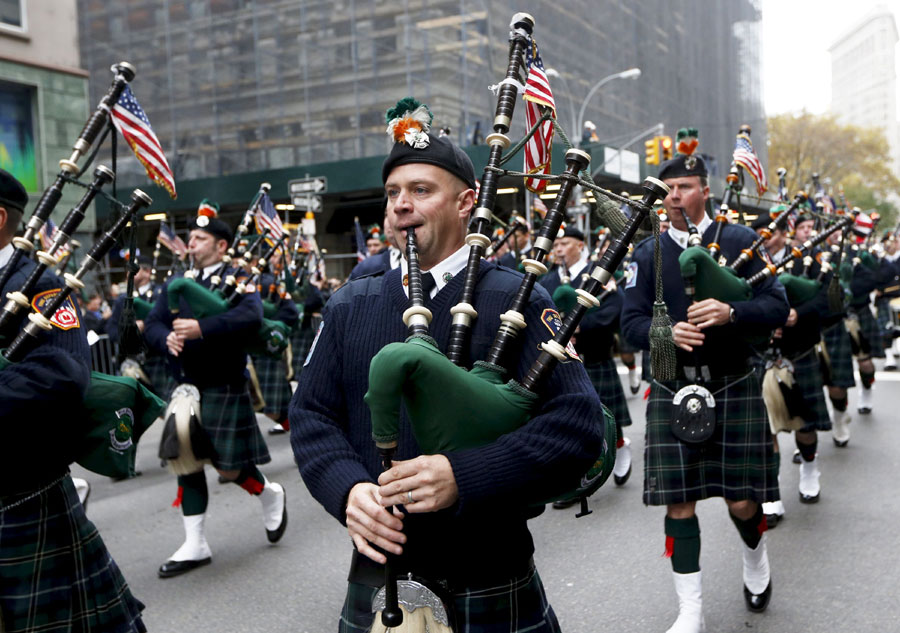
(387, 258)
(736, 462)
(889, 289)
(55, 572)
(208, 354)
(465, 511)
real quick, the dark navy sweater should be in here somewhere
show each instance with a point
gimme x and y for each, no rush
(725, 346)
(485, 531)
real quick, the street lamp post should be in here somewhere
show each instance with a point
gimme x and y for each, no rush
(631, 73)
(552, 72)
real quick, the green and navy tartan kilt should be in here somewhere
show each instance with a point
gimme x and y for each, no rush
(868, 328)
(56, 575)
(808, 378)
(158, 373)
(883, 314)
(519, 605)
(273, 383)
(736, 463)
(227, 416)
(837, 343)
(301, 339)
(605, 378)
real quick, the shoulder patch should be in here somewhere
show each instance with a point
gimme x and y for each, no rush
(631, 273)
(553, 322)
(66, 316)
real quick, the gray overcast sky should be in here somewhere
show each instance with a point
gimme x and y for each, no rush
(795, 39)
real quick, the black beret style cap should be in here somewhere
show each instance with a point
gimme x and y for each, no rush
(683, 165)
(12, 193)
(762, 221)
(440, 151)
(571, 231)
(213, 226)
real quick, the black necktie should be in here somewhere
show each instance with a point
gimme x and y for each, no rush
(428, 284)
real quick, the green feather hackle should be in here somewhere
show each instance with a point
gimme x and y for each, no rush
(404, 106)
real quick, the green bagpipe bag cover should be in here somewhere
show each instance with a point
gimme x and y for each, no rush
(271, 339)
(449, 408)
(119, 410)
(712, 281)
(452, 409)
(142, 308)
(565, 298)
(799, 289)
(269, 309)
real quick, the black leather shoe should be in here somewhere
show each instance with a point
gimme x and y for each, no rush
(172, 568)
(562, 505)
(840, 444)
(620, 481)
(809, 498)
(796, 458)
(757, 602)
(772, 520)
(864, 410)
(275, 535)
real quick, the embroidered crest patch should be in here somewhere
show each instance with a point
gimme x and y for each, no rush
(66, 317)
(631, 273)
(553, 322)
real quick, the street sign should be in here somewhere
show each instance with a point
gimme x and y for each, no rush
(318, 184)
(307, 203)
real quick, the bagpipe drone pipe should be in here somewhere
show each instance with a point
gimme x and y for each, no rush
(116, 409)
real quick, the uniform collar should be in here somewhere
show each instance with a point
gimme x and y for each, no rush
(5, 254)
(209, 270)
(576, 268)
(681, 237)
(443, 271)
(394, 257)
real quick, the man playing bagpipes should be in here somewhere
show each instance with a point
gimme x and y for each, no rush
(210, 354)
(464, 523)
(594, 341)
(794, 349)
(55, 572)
(707, 434)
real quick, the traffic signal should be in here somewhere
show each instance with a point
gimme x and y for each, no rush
(651, 149)
(666, 142)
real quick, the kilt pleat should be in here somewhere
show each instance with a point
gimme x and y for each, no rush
(56, 575)
(158, 373)
(868, 328)
(884, 321)
(808, 378)
(736, 463)
(518, 606)
(605, 378)
(837, 342)
(227, 415)
(273, 382)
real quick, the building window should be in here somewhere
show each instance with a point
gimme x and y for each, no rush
(18, 152)
(12, 15)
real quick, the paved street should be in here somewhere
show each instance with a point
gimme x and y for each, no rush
(835, 564)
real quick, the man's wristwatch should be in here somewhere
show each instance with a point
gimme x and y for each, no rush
(732, 317)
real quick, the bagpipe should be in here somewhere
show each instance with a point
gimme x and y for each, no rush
(117, 409)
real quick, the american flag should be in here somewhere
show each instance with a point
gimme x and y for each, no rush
(537, 97)
(47, 234)
(170, 240)
(266, 217)
(361, 250)
(130, 120)
(746, 158)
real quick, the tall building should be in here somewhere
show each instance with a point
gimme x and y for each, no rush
(864, 76)
(237, 87)
(43, 94)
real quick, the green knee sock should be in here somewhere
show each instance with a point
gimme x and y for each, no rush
(683, 544)
(193, 493)
(751, 530)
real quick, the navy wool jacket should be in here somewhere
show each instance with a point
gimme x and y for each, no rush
(500, 484)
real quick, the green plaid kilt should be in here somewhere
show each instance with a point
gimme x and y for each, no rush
(273, 382)
(868, 329)
(519, 605)
(228, 417)
(837, 342)
(56, 575)
(605, 378)
(736, 463)
(158, 373)
(883, 314)
(808, 377)
(301, 339)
